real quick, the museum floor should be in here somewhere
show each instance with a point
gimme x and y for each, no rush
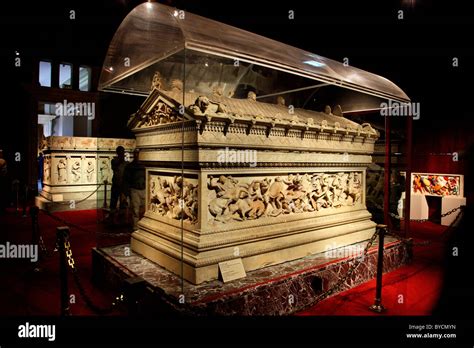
(24, 291)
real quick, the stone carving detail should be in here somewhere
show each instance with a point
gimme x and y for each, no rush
(104, 170)
(234, 199)
(165, 198)
(204, 106)
(47, 169)
(76, 171)
(62, 174)
(62, 142)
(85, 143)
(160, 114)
(90, 171)
(157, 81)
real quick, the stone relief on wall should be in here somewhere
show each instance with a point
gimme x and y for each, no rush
(165, 194)
(241, 199)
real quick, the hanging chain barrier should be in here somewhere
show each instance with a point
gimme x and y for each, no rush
(398, 217)
(73, 267)
(36, 236)
(337, 286)
(428, 242)
(75, 201)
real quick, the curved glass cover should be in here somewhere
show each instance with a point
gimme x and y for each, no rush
(155, 37)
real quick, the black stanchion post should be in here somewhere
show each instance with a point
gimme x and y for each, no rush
(16, 189)
(25, 201)
(35, 235)
(34, 211)
(377, 306)
(105, 194)
(61, 233)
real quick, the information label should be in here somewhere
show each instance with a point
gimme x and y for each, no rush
(231, 270)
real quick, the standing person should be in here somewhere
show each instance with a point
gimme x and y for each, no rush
(135, 184)
(397, 187)
(3, 183)
(40, 171)
(118, 167)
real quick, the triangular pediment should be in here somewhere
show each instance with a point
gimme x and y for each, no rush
(158, 109)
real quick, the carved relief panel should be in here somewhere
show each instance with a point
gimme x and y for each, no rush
(173, 196)
(104, 169)
(249, 198)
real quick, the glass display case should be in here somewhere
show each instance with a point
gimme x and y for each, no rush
(250, 158)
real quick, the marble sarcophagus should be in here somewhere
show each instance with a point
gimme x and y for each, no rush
(237, 178)
(76, 171)
(239, 165)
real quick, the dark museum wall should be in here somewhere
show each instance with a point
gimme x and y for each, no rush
(406, 52)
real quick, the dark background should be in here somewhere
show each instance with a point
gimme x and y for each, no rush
(415, 53)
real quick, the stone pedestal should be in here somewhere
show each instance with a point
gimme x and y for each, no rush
(281, 289)
(419, 209)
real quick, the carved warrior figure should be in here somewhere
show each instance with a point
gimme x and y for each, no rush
(165, 198)
(47, 169)
(90, 171)
(233, 200)
(104, 170)
(61, 167)
(76, 171)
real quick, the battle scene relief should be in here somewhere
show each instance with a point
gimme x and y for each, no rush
(173, 197)
(232, 199)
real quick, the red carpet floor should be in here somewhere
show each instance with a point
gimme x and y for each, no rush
(24, 291)
(410, 290)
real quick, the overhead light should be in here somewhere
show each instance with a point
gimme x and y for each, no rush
(314, 63)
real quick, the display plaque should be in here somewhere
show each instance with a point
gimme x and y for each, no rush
(231, 270)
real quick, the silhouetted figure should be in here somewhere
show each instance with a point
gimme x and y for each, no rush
(118, 167)
(397, 187)
(135, 184)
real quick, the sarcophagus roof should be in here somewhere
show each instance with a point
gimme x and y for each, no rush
(249, 110)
